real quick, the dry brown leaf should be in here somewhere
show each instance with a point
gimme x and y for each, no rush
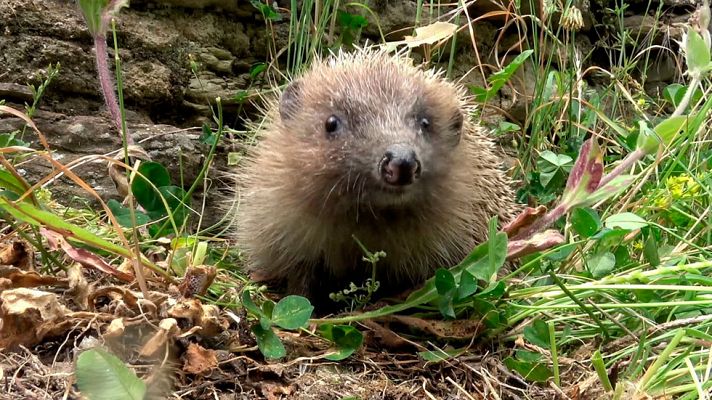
(207, 317)
(78, 286)
(167, 329)
(430, 34)
(198, 360)
(523, 220)
(84, 257)
(123, 302)
(197, 280)
(28, 315)
(117, 172)
(380, 336)
(463, 329)
(540, 241)
(18, 254)
(115, 329)
(21, 278)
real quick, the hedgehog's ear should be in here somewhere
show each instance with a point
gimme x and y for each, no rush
(455, 125)
(290, 101)
(456, 122)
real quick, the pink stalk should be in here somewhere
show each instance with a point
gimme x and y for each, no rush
(107, 84)
(624, 166)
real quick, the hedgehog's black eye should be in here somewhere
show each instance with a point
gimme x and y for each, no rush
(331, 126)
(424, 123)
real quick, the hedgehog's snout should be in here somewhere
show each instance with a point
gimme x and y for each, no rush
(400, 165)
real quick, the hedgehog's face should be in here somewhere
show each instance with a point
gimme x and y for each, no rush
(384, 132)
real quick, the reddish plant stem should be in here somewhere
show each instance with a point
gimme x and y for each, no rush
(557, 212)
(107, 84)
(624, 166)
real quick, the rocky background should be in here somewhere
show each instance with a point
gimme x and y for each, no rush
(167, 103)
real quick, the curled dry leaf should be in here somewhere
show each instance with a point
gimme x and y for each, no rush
(84, 257)
(198, 360)
(78, 286)
(115, 329)
(167, 329)
(540, 241)
(13, 277)
(207, 316)
(380, 336)
(457, 329)
(29, 315)
(18, 254)
(525, 219)
(117, 172)
(427, 35)
(197, 280)
(125, 303)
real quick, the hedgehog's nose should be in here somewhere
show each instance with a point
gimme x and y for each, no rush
(399, 165)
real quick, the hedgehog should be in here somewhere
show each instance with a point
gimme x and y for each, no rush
(366, 149)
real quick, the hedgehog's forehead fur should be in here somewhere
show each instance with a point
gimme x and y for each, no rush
(379, 99)
(374, 83)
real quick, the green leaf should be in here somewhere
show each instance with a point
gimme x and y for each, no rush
(9, 140)
(268, 308)
(439, 355)
(600, 367)
(506, 126)
(250, 305)
(675, 92)
(499, 78)
(445, 305)
(346, 338)
(557, 160)
(92, 10)
(241, 96)
(269, 344)
(267, 11)
(602, 264)
(257, 69)
(476, 263)
(538, 334)
(626, 220)
(697, 52)
(493, 291)
(146, 195)
(650, 251)
(350, 21)
(468, 285)
(292, 312)
(123, 214)
(103, 376)
(207, 135)
(444, 281)
(496, 250)
(665, 132)
(535, 372)
(613, 188)
(11, 183)
(174, 198)
(585, 221)
(668, 129)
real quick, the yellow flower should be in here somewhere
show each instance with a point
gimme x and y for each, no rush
(682, 187)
